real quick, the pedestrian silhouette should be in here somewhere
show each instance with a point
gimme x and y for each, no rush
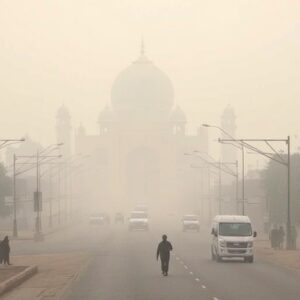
(281, 235)
(4, 251)
(163, 251)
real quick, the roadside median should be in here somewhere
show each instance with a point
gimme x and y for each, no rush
(12, 276)
(56, 272)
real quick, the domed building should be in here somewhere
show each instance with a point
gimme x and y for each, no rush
(138, 155)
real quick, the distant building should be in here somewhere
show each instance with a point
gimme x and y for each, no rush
(138, 154)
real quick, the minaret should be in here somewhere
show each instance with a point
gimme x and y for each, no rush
(142, 47)
(63, 130)
(228, 123)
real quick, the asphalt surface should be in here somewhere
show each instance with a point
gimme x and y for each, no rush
(125, 267)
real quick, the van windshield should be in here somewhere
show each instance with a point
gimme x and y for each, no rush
(235, 229)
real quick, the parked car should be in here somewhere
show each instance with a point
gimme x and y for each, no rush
(99, 219)
(138, 220)
(190, 222)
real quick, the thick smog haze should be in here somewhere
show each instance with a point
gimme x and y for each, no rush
(245, 53)
(149, 149)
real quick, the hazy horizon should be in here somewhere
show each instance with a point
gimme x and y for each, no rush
(245, 53)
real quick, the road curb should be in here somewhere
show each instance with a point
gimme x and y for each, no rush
(17, 279)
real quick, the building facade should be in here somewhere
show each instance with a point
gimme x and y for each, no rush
(138, 154)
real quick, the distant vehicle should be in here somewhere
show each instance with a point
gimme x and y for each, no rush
(232, 236)
(119, 218)
(138, 220)
(99, 219)
(190, 222)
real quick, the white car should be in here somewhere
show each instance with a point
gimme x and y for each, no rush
(190, 222)
(138, 220)
(232, 236)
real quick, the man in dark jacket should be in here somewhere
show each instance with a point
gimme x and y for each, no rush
(163, 250)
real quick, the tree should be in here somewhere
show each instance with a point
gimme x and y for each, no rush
(5, 190)
(275, 184)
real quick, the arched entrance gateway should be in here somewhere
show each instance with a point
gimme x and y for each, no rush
(142, 177)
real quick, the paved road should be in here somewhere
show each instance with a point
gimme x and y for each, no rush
(124, 267)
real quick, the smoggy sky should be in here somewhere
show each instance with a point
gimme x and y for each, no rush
(246, 53)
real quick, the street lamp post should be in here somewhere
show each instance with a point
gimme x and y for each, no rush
(15, 228)
(288, 231)
(222, 167)
(279, 159)
(38, 224)
(50, 198)
(243, 180)
(220, 188)
(37, 195)
(241, 147)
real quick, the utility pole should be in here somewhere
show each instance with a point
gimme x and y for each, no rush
(237, 186)
(243, 180)
(15, 226)
(288, 225)
(59, 196)
(50, 198)
(277, 157)
(220, 188)
(38, 235)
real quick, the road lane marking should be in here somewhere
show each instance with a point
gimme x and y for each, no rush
(215, 298)
(185, 267)
(203, 286)
(191, 273)
(197, 279)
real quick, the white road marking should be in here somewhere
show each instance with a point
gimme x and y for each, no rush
(215, 298)
(191, 273)
(185, 267)
(197, 279)
(203, 286)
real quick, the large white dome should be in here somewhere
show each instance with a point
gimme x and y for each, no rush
(142, 87)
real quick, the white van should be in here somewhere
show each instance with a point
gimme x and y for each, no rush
(232, 236)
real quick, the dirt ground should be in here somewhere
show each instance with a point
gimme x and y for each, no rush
(286, 258)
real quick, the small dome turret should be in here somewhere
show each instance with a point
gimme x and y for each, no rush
(177, 115)
(106, 115)
(63, 113)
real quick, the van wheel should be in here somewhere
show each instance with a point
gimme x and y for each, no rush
(249, 259)
(218, 258)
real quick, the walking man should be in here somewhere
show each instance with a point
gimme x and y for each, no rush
(163, 250)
